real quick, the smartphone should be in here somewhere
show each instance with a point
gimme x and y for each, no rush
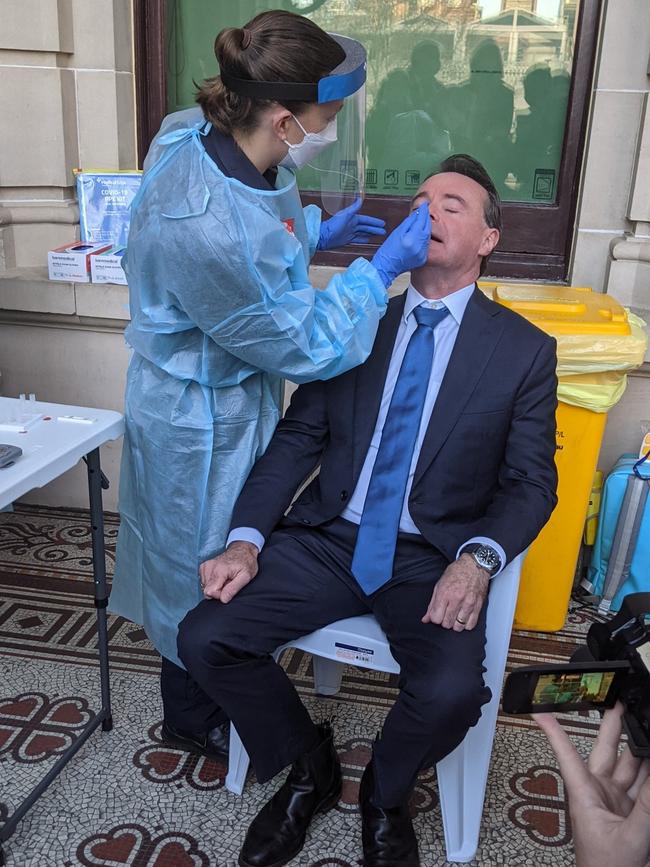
(80, 247)
(574, 686)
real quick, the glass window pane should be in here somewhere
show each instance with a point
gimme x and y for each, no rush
(486, 77)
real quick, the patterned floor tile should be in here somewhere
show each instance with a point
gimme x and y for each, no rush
(127, 799)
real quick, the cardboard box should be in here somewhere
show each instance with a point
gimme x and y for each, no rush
(71, 262)
(106, 267)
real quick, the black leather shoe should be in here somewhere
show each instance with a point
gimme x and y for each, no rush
(214, 745)
(387, 834)
(277, 833)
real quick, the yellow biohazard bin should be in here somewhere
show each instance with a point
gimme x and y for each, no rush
(598, 341)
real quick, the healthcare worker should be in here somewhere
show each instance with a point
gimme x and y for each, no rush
(222, 310)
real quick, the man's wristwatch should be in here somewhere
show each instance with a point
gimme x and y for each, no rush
(485, 557)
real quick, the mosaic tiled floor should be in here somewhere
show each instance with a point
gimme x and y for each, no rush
(128, 800)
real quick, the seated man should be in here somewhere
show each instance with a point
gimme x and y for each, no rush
(436, 468)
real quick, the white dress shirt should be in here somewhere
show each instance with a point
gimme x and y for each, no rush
(445, 337)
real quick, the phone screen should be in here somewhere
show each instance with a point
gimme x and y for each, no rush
(570, 687)
(590, 686)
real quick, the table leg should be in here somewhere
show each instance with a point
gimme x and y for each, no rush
(99, 572)
(103, 717)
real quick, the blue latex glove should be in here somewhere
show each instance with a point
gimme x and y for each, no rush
(349, 227)
(406, 247)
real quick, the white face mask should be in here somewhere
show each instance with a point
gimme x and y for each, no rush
(311, 145)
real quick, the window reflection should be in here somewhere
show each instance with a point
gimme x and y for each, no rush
(487, 77)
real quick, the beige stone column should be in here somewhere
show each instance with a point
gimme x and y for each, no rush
(629, 270)
(612, 174)
(66, 101)
(612, 238)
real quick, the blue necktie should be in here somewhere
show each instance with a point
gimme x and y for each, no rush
(372, 562)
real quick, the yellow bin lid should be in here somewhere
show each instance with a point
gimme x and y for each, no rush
(562, 309)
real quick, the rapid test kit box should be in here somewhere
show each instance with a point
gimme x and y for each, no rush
(72, 262)
(106, 267)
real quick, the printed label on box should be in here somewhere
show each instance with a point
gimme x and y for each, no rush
(107, 267)
(72, 261)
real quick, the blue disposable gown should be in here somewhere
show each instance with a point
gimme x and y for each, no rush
(221, 310)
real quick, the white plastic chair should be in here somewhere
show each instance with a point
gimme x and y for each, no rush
(462, 775)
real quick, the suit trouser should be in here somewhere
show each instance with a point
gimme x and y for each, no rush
(185, 705)
(303, 584)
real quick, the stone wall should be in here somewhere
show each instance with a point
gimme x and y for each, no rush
(66, 100)
(612, 239)
(614, 180)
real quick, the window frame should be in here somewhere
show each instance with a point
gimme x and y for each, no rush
(537, 238)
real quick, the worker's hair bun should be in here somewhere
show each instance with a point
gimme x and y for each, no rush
(274, 46)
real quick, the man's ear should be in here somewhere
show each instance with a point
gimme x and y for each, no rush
(489, 242)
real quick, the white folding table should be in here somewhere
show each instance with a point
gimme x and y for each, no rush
(51, 445)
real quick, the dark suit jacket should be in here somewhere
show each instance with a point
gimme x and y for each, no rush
(486, 466)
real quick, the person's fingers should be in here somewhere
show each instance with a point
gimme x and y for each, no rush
(207, 570)
(627, 769)
(436, 610)
(452, 612)
(407, 222)
(365, 234)
(643, 773)
(573, 769)
(638, 822)
(439, 613)
(458, 614)
(366, 220)
(418, 235)
(461, 607)
(602, 760)
(215, 582)
(417, 217)
(233, 587)
(217, 578)
(369, 230)
(421, 219)
(472, 617)
(365, 237)
(349, 211)
(547, 722)
(467, 610)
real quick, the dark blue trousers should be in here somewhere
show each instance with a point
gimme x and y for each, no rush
(304, 583)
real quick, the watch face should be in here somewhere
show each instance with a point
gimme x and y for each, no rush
(488, 558)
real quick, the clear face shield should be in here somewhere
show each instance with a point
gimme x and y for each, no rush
(337, 173)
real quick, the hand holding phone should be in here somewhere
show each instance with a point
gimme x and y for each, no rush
(609, 796)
